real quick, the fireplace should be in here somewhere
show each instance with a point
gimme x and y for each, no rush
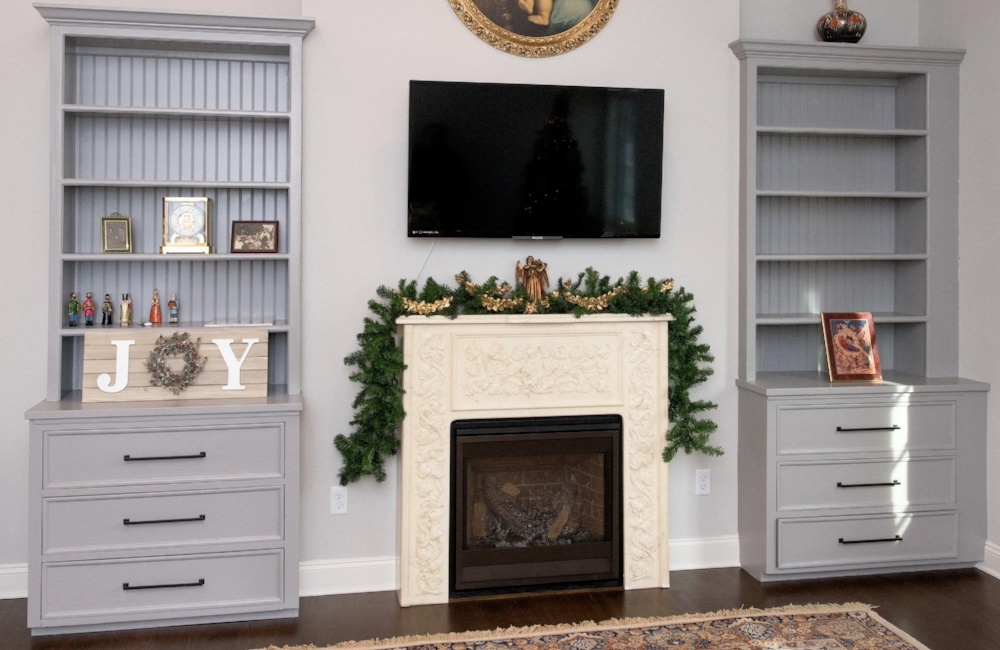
(482, 367)
(536, 504)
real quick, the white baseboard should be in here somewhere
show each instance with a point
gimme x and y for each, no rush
(359, 575)
(13, 581)
(991, 560)
(704, 553)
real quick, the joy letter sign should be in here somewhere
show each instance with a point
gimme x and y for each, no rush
(114, 364)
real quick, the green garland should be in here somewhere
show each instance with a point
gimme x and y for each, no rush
(378, 362)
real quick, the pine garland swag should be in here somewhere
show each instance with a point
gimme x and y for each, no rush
(378, 361)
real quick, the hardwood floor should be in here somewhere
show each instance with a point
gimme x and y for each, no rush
(946, 610)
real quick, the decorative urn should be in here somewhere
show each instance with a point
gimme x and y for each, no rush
(842, 25)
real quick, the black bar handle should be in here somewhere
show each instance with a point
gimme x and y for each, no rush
(134, 458)
(129, 522)
(897, 538)
(854, 485)
(127, 587)
(894, 427)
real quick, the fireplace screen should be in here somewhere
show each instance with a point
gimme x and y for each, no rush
(536, 504)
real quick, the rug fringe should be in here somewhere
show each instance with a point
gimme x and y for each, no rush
(589, 626)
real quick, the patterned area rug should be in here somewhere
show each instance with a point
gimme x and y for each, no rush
(852, 626)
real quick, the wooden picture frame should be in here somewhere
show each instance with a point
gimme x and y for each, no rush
(851, 346)
(254, 237)
(535, 28)
(116, 234)
(187, 224)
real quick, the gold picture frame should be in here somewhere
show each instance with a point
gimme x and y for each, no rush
(116, 234)
(187, 224)
(535, 28)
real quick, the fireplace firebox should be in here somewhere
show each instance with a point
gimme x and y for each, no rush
(536, 504)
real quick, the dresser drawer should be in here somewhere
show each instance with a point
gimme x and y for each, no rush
(867, 484)
(866, 427)
(75, 459)
(834, 542)
(165, 519)
(155, 588)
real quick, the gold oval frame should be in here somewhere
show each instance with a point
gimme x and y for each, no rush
(534, 46)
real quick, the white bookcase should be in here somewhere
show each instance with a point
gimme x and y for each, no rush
(849, 202)
(178, 511)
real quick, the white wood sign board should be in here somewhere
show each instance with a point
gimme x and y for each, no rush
(114, 364)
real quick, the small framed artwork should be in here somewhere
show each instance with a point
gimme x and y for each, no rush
(254, 237)
(116, 234)
(187, 224)
(851, 348)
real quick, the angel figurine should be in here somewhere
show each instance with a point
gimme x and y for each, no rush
(533, 276)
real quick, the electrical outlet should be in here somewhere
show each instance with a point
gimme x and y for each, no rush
(702, 481)
(338, 500)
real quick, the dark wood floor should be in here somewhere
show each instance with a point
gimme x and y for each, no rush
(946, 610)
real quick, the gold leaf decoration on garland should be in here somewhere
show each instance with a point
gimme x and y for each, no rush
(178, 344)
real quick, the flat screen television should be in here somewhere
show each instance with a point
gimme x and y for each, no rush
(534, 161)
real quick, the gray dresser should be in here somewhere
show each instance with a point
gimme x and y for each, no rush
(158, 515)
(860, 479)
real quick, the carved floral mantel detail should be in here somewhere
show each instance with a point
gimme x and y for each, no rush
(509, 366)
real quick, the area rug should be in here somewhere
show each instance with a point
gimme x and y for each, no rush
(851, 626)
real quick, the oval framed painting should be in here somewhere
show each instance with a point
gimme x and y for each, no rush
(535, 28)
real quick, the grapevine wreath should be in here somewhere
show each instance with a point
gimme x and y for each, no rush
(179, 344)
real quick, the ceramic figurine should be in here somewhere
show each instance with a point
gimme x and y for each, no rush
(72, 309)
(533, 275)
(89, 307)
(107, 310)
(155, 313)
(125, 314)
(172, 308)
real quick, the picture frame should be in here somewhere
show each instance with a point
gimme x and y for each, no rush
(187, 224)
(535, 28)
(116, 233)
(851, 346)
(254, 237)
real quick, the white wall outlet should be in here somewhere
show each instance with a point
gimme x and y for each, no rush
(338, 500)
(702, 481)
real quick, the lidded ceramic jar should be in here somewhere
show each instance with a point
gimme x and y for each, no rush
(842, 25)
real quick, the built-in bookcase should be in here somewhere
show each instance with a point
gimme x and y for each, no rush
(148, 106)
(849, 202)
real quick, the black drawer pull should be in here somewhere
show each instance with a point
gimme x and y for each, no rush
(129, 522)
(894, 427)
(897, 538)
(133, 458)
(854, 485)
(127, 587)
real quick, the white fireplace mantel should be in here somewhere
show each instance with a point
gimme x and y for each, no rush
(530, 366)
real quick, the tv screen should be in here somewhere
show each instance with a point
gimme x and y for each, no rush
(534, 161)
